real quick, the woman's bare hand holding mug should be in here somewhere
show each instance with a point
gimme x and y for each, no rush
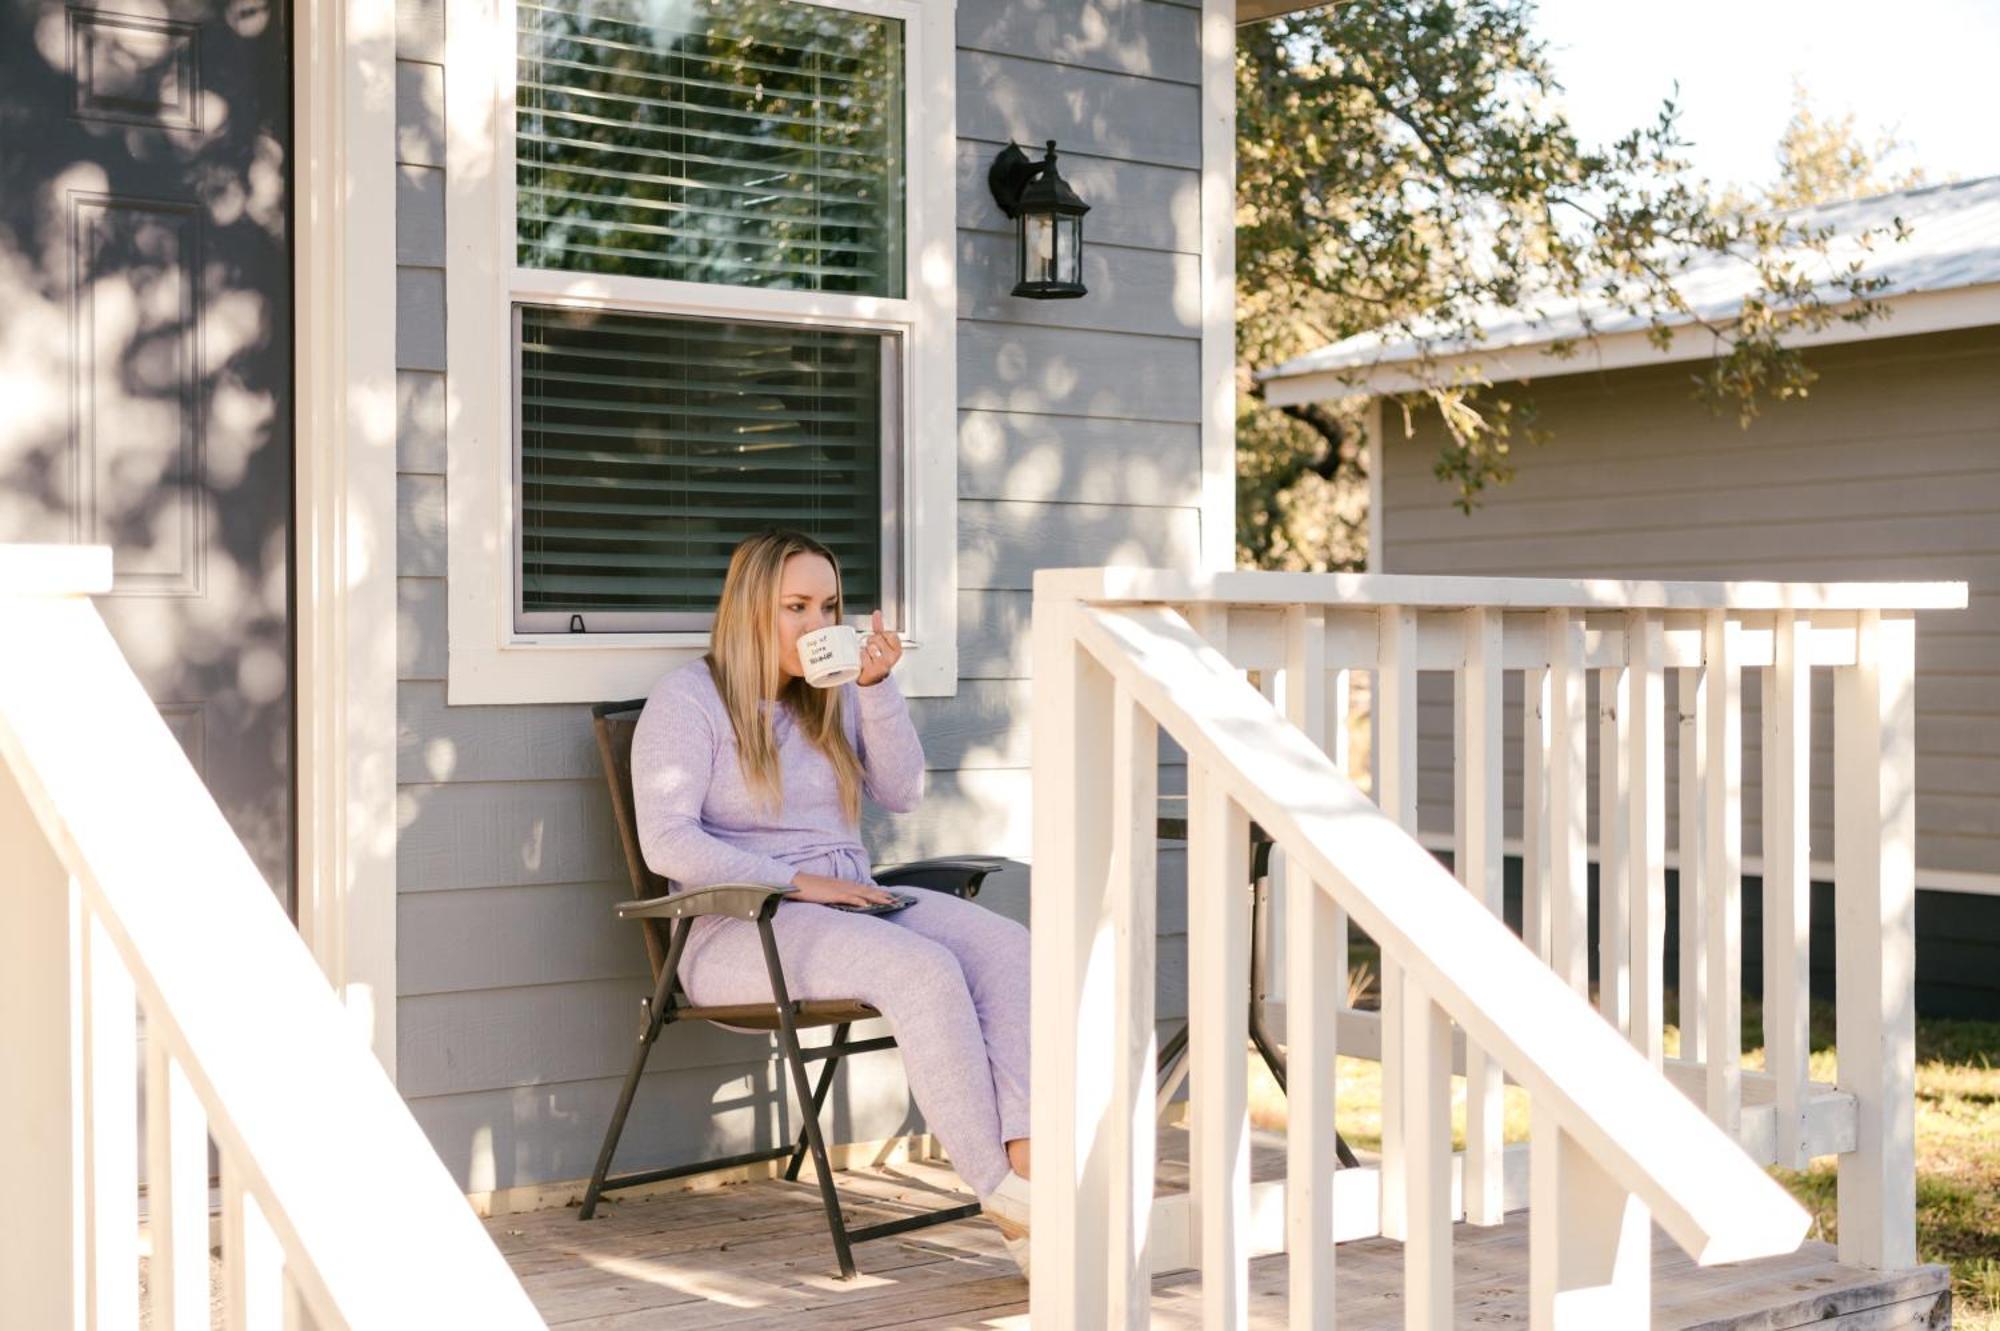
(880, 651)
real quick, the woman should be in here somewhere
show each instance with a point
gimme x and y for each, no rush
(743, 772)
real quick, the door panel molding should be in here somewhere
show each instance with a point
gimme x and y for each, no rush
(135, 261)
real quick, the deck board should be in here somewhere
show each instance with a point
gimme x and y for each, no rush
(752, 1256)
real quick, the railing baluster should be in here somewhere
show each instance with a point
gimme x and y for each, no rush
(1788, 878)
(1396, 763)
(1218, 1035)
(1536, 712)
(176, 1194)
(1339, 747)
(1723, 788)
(111, 1129)
(40, 956)
(253, 1296)
(1646, 823)
(1131, 1133)
(1478, 803)
(1691, 703)
(1569, 803)
(1614, 803)
(1315, 959)
(1590, 1258)
(1427, 1281)
(1072, 858)
(1874, 868)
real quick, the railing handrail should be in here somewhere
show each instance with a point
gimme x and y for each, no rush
(1110, 586)
(1700, 1186)
(373, 1229)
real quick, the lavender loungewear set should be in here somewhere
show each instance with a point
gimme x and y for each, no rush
(951, 976)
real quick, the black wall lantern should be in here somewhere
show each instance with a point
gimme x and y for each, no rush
(1048, 223)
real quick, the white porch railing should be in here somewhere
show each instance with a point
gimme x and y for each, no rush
(124, 896)
(1122, 654)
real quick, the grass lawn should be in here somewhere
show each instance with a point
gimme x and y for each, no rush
(1958, 1142)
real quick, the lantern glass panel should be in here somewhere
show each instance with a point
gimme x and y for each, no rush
(1070, 249)
(1041, 247)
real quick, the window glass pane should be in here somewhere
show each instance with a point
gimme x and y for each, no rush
(748, 142)
(650, 445)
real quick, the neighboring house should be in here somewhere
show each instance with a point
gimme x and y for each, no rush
(1888, 469)
(206, 391)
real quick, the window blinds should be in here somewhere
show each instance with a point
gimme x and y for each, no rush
(749, 142)
(650, 445)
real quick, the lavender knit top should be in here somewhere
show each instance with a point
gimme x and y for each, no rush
(699, 822)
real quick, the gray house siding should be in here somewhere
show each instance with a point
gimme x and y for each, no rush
(1079, 443)
(1889, 469)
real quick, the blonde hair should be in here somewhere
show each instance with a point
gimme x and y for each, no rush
(744, 661)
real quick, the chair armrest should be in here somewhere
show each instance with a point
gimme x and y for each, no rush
(959, 875)
(743, 901)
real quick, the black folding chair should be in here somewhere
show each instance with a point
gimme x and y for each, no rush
(655, 910)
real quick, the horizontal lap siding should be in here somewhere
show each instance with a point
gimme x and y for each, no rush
(1079, 443)
(1889, 469)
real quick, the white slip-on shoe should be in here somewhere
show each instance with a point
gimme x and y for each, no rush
(1007, 1207)
(1017, 1248)
(1008, 1203)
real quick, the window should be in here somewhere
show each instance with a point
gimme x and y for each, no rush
(748, 144)
(725, 301)
(751, 142)
(650, 445)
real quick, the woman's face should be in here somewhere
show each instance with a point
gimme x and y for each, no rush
(807, 600)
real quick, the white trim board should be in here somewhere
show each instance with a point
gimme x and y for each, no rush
(1218, 284)
(490, 661)
(344, 571)
(1378, 557)
(1908, 315)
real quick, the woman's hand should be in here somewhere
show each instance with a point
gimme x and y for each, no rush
(880, 651)
(837, 891)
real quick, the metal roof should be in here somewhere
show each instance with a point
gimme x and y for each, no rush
(1256, 11)
(1954, 243)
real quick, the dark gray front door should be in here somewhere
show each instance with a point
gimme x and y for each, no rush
(146, 356)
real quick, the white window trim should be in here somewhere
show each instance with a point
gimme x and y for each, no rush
(489, 660)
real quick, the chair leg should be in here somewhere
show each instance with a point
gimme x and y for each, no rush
(1173, 1068)
(788, 1038)
(1274, 1060)
(655, 1019)
(819, 1099)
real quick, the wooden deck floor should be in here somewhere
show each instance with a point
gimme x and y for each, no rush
(756, 1255)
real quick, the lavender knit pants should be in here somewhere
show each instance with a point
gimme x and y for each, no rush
(951, 977)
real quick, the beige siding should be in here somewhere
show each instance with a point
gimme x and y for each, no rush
(1889, 469)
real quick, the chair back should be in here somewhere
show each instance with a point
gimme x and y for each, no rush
(615, 723)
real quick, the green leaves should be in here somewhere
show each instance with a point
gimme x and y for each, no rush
(1403, 169)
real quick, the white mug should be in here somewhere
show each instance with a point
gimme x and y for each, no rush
(831, 656)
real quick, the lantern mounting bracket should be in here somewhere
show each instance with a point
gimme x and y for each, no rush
(1010, 173)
